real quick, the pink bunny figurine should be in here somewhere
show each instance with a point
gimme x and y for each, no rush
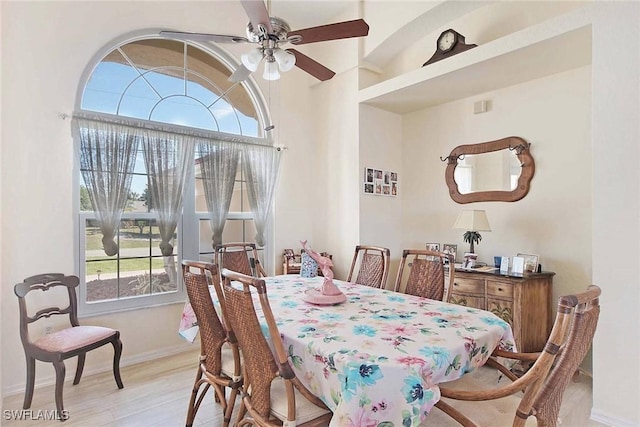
(328, 288)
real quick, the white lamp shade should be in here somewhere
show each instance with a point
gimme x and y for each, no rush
(270, 71)
(286, 60)
(252, 59)
(472, 220)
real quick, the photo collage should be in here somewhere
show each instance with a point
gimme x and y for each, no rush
(380, 182)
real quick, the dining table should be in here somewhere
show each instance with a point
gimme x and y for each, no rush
(377, 358)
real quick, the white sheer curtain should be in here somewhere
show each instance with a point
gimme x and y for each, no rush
(261, 165)
(218, 167)
(168, 159)
(107, 158)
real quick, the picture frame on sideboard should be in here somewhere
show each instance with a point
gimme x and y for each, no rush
(450, 249)
(433, 247)
(530, 262)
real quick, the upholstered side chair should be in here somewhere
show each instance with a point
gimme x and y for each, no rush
(61, 344)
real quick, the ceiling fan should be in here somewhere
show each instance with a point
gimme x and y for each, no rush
(269, 33)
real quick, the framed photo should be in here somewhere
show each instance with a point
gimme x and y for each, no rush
(368, 176)
(450, 249)
(380, 182)
(433, 247)
(517, 265)
(530, 262)
(378, 186)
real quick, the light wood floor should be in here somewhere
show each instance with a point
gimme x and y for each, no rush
(157, 393)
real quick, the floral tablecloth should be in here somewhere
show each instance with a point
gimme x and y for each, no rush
(376, 359)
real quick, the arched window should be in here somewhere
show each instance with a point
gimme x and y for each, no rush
(161, 132)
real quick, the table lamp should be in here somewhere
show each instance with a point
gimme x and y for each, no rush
(472, 221)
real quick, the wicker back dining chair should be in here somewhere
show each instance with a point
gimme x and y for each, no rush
(241, 257)
(373, 266)
(62, 344)
(219, 362)
(428, 277)
(545, 382)
(272, 394)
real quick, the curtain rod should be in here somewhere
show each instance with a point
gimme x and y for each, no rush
(171, 128)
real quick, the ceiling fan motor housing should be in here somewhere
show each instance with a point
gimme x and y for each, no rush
(279, 26)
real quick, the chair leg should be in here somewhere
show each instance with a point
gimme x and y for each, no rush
(79, 369)
(117, 352)
(242, 411)
(193, 405)
(60, 373)
(31, 378)
(230, 404)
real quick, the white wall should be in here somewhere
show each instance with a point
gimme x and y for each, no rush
(554, 219)
(616, 211)
(381, 216)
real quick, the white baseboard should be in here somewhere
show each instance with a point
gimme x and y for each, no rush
(108, 367)
(606, 419)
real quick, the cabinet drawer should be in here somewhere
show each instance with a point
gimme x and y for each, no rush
(472, 286)
(468, 300)
(500, 289)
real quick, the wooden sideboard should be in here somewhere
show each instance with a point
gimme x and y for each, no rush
(524, 301)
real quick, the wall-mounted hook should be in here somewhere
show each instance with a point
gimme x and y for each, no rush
(518, 148)
(452, 158)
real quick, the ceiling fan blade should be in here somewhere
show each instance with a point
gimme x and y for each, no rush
(339, 30)
(240, 74)
(219, 38)
(311, 66)
(257, 13)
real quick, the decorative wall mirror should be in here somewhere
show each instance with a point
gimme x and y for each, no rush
(494, 171)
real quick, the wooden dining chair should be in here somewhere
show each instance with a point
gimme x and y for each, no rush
(272, 394)
(373, 266)
(219, 362)
(428, 277)
(62, 344)
(241, 257)
(545, 382)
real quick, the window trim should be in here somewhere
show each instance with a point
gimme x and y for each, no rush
(86, 309)
(255, 93)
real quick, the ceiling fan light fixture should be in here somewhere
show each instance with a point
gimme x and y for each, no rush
(286, 60)
(252, 59)
(270, 71)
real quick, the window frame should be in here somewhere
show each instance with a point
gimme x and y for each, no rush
(188, 225)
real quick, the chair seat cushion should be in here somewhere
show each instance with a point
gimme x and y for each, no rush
(70, 339)
(305, 410)
(228, 363)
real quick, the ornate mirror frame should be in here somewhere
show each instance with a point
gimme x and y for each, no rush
(514, 143)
